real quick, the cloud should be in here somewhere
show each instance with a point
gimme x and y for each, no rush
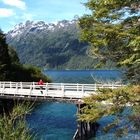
(6, 12)
(17, 3)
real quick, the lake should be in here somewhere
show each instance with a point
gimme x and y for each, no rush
(57, 121)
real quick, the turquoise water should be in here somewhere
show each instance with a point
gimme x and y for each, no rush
(53, 121)
(57, 121)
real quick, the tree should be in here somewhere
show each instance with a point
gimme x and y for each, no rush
(4, 57)
(12, 70)
(13, 56)
(113, 30)
(122, 104)
(13, 125)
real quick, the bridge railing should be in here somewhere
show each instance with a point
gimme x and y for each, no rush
(57, 86)
(70, 90)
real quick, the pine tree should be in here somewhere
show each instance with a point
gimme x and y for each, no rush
(4, 57)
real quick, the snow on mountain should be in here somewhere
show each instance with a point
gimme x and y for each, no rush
(33, 27)
(51, 26)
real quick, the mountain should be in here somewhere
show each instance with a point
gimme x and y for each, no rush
(12, 70)
(51, 45)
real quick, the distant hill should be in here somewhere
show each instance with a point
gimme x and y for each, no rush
(52, 46)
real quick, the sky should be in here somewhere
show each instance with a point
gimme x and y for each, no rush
(13, 12)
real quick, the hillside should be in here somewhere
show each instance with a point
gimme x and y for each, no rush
(52, 46)
(12, 70)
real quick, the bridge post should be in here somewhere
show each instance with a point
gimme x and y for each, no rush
(63, 90)
(31, 88)
(83, 89)
(95, 87)
(112, 86)
(3, 85)
(33, 85)
(46, 88)
(77, 87)
(16, 87)
(21, 85)
(10, 84)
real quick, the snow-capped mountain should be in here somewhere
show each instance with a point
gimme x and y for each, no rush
(51, 45)
(31, 26)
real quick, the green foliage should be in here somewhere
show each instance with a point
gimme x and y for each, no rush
(4, 57)
(113, 31)
(12, 70)
(13, 126)
(113, 35)
(13, 55)
(123, 103)
(26, 73)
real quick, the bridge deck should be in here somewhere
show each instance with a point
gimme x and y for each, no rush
(65, 91)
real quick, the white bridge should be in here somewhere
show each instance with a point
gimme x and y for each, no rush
(57, 91)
